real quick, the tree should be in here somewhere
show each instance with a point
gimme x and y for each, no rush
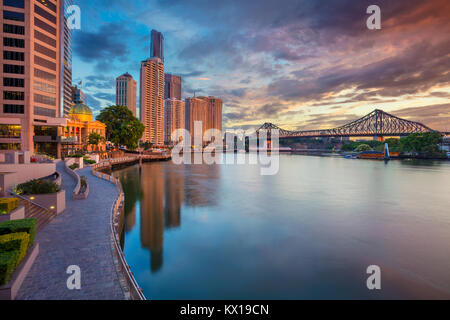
(95, 138)
(363, 147)
(122, 128)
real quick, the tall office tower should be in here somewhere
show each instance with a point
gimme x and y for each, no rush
(214, 112)
(31, 76)
(157, 45)
(78, 96)
(173, 120)
(66, 59)
(126, 92)
(196, 110)
(151, 100)
(172, 86)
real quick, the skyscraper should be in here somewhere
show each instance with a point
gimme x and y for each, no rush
(173, 119)
(31, 76)
(78, 96)
(126, 92)
(214, 112)
(152, 100)
(66, 59)
(157, 45)
(208, 110)
(172, 86)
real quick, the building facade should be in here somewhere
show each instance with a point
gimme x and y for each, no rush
(172, 86)
(66, 59)
(126, 92)
(78, 96)
(151, 100)
(173, 120)
(30, 100)
(157, 45)
(208, 110)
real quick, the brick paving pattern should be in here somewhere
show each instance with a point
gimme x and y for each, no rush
(80, 236)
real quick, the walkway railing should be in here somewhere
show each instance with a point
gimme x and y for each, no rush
(116, 210)
(34, 210)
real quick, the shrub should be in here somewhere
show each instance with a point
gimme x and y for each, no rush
(87, 161)
(15, 242)
(78, 155)
(24, 225)
(7, 265)
(36, 187)
(74, 166)
(8, 204)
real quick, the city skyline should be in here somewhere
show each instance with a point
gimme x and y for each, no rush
(306, 66)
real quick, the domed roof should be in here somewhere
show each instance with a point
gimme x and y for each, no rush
(80, 109)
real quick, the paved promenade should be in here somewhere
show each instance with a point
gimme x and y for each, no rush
(79, 236)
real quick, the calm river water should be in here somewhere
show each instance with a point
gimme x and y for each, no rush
(309, 232)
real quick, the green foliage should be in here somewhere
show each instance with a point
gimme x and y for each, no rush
(37, 187)
(122, 128)
(95, 138)
(8, 204)
(363, 147)
(146, 145)
(353, 145)
(15, 242)
(74, 166)
(24, 225)
(8, 261)
(77, 155)
(83, 181)
(87, 161)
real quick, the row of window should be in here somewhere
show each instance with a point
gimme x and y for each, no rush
(12, 68)
(46, 39)
(44, 87)
(14, 82)
(13, 55)
(45, 51)
(14, 3)
(10, 131)
(41, 24)
(10, 28)
(13, 108)
(44, 99)
(39, 111)
(45, 75)
(44, 14)
(15, 16)
(14, 95)
(12, 42)
(45, 63)
(48, 4)
(10, 146)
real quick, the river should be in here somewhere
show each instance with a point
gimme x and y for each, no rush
(308, 232)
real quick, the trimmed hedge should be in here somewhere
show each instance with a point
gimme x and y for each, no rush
(8, 204)
(74, 166)
(15, 242)
(7, 265)
(37, 187)
(24, 225)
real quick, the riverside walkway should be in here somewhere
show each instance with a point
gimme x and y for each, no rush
(80, 236)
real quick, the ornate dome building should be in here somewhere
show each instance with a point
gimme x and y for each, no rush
(80, 125)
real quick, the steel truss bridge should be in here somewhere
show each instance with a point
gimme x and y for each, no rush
(376, 124)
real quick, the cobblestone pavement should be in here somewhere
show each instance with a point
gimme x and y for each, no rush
(79, 236)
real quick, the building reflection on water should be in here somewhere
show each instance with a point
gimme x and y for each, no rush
(159, 191)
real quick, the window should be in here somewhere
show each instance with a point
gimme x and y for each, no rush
(12, 55)
(14, 3)
(13, 95)
(48, 4)
(13, 82)
(13, 108)
(39, 111)
(41, 49)
(15, 16)
(11, 68)
(44, 99)
(10, 131)
(44, 87)
(9, 28)
(10, 146)
(41, 24)
(44, 14)
(44, 63)
(12, 42)
(42, 37)
(44, 75)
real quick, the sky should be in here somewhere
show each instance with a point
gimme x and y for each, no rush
(301, 64)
